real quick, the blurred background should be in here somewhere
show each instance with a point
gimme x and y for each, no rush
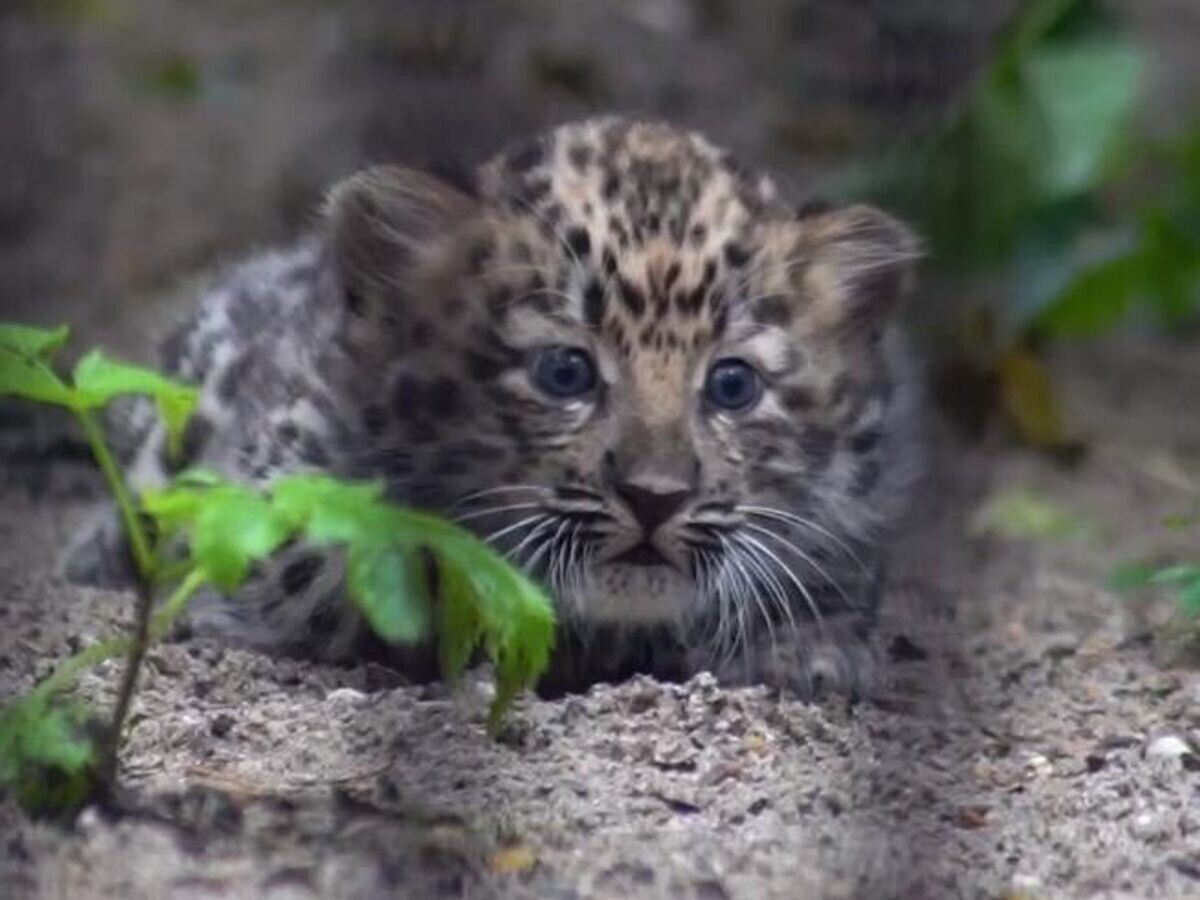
(1048, 151)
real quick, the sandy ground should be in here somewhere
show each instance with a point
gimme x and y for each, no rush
(1039, 742)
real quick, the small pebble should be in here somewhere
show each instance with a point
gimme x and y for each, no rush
(1168, 746)
(344, 695)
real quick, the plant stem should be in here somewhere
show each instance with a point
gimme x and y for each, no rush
(138, 542)
(144, 631)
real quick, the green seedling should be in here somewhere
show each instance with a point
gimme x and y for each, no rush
(52, 763)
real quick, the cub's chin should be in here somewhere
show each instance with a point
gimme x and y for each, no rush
(633, 594)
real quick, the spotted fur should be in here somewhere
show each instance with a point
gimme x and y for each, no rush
(397, 343)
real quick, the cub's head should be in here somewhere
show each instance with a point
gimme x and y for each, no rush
(624, 362)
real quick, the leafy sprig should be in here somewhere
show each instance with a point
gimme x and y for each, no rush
(411, 574)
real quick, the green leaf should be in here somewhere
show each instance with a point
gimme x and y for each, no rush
(1097, 299)
(47, 759)
(37, 343)
(388, 586)
(486, 601)
(1176, 575)
(1131, 576)
(173, 508)
(30, 378)
(1019, 514)
(1189, 599)
(234, 528)
(229, 527)
(329, 510)
(1083, 92)
(99, 379)
(1038, 129)
(483, 602)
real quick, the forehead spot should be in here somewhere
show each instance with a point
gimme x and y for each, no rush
(736, 255)
(593, 302)
(633, 297)
(579, 241)
(772, 310)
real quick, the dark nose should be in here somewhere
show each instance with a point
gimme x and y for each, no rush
(652, 504)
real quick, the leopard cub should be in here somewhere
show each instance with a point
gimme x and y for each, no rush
(616, 355)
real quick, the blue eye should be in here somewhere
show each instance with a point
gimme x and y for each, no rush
(732, 384)
(564, 372)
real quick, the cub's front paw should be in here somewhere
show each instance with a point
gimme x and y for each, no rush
(837, 658)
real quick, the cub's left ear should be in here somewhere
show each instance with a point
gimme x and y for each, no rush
(860, 263)
(383, 221)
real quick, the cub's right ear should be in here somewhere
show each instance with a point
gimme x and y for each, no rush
(383, 220)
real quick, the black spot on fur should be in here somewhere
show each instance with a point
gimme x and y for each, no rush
(736, 255)
(233, 376)
(593, 303)
(374, 419)
(287, 431)
(406, 397)
(526, 156)
(312, 451)
(617, 229)
(443, 398)
(817, 443)
(174, 348)
(690, 302)
(672, 275)
(697, 234)
(865, 441)
(634, 299)
(298, 575)
(355, 304)
(773, 310)
(580, 242)
(421, 431)
(611, 185)
(865, 478)
(798, 399)
(479, 256)
(530, 192)
(608, 260)
(580, 155)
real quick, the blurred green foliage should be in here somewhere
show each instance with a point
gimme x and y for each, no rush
(1045, 215)
(47, 757)
(1022, 186)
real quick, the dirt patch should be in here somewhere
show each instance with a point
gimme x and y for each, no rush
(1037, 743)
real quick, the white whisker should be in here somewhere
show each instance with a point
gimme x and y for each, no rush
(769, 512)
(496, 535)
(804, 591)
(494, 510)
(805, 557)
